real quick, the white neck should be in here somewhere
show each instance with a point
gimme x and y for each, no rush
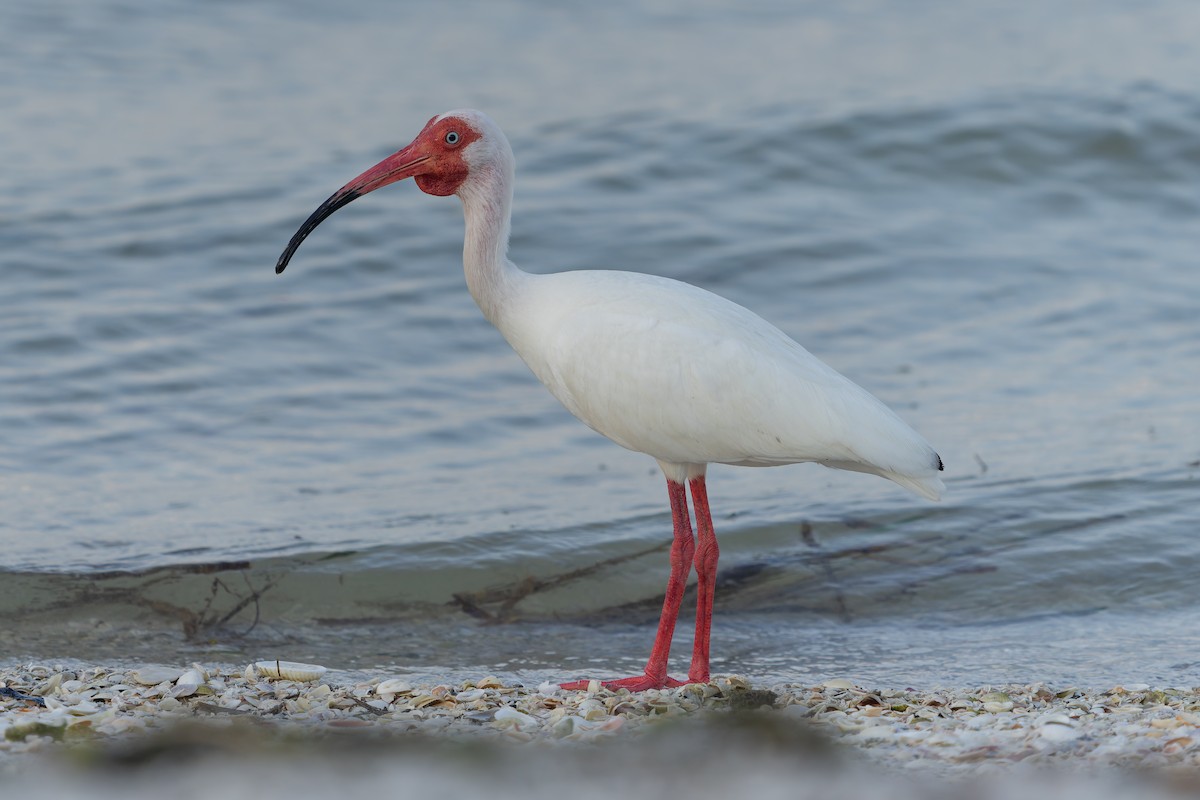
(487, 206)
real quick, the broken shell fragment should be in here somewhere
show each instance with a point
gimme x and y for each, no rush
(152, 676)
(393, 686)
(424, 700)
(192, 676)
(507, 716)
(289, 670)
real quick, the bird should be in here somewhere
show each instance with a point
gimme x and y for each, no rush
(658, 366)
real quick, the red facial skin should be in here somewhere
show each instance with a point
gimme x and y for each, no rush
(434, 159)
(436, 163)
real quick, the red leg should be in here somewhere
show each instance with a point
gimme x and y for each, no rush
(682, 550)
(706, 573)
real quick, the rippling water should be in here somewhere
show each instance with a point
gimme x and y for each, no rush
(985, 218)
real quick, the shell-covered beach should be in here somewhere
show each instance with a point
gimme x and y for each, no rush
(985, 737)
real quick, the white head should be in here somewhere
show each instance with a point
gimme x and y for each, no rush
(459, 152)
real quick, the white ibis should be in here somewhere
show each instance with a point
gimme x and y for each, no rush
(656, 365)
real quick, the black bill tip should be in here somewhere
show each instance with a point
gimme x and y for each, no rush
(335, 201)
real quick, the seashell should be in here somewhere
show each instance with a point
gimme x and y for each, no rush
(192, 676)
(393, 686)
(1057, 732)
(289, 670)
(659, 705)
(1177, 744)
(471, 695)
(51, 683)
(592, 704)
(564, 727)
(270, 706)
(169, 704)
(278, 690)
(994, 702)
(123, 725)
(1167, 724)
(595, 714)
(510, 717)
(83, 709)
(249, 674)
(579, 728)
(153, 675)
(424, 700)
(490, 682)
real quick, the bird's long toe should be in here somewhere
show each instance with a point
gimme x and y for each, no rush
(637, 683)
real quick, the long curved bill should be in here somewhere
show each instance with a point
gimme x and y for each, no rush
(400, 165)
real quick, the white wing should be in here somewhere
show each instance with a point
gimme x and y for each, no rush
(686, 376)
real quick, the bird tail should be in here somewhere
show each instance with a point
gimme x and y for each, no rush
(928, 486)
(926, 482)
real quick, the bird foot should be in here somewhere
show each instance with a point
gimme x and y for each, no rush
(638, 683)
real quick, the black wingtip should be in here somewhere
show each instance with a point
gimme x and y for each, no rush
(941, 468)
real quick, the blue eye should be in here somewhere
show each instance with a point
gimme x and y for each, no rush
(452, 137)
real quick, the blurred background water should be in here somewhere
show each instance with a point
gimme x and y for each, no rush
(986, 215)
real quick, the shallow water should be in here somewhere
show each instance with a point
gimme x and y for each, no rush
(983, 217)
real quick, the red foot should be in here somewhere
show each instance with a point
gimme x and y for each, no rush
(637, 683)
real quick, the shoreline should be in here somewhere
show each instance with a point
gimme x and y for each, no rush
(944, 732)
